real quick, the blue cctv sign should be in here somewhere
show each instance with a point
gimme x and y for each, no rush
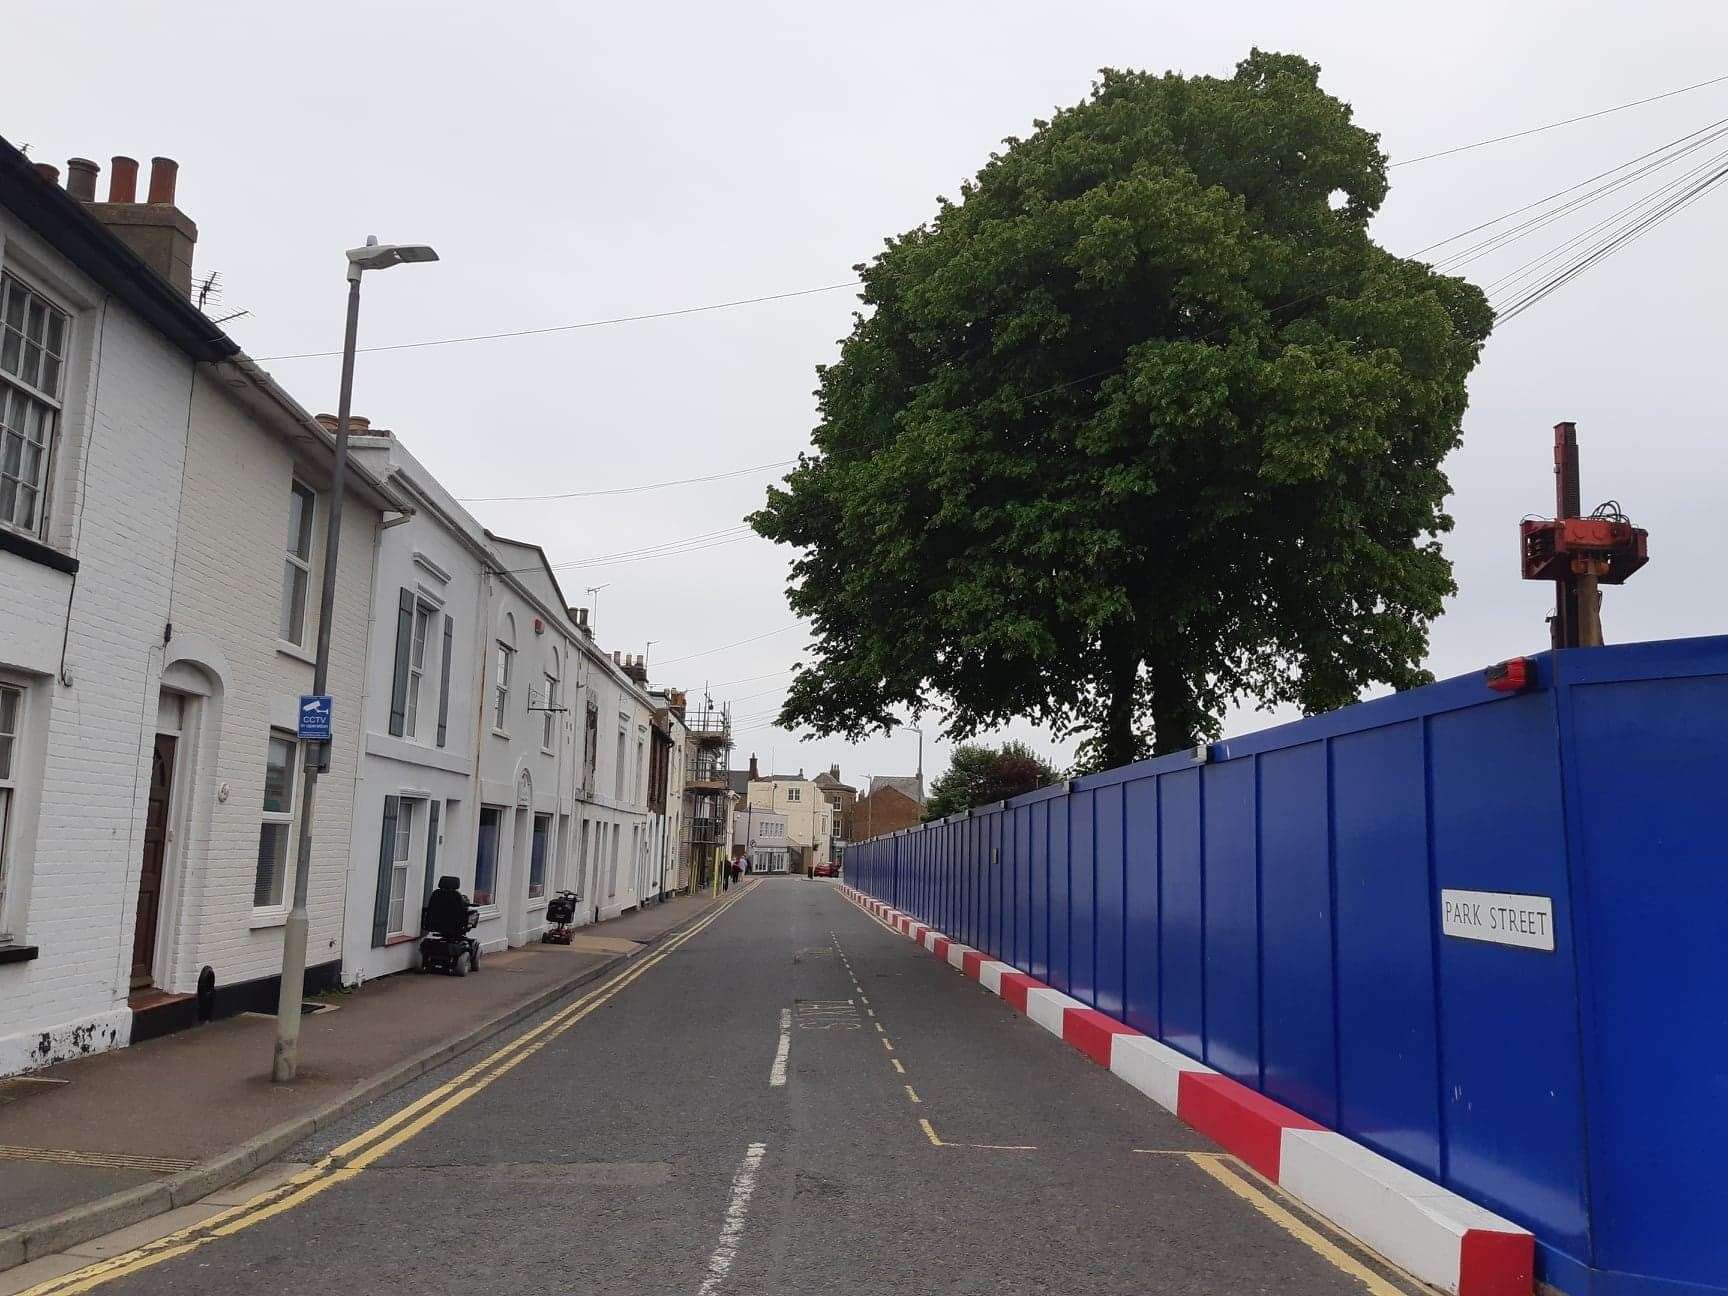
(315, 716)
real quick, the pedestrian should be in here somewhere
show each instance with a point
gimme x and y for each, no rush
(737, 870)
(725, 878)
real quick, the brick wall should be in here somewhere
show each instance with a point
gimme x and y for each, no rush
(77, 838)
(226, 609)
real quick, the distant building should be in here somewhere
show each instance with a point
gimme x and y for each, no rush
(888, 807)
(809, 818)
(759, 836)
(842, 798)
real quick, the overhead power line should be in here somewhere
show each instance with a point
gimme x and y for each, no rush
(1709, 133)
(723, 647)
(571, 328)
(1627, 232)
(623, 490)
(1570, 121)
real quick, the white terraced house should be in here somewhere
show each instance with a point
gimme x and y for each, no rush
(161, 510)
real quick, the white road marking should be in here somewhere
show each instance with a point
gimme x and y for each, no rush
(732, 1231)
(777, 1076)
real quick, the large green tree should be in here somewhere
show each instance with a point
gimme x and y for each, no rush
(980, 775)
(1143, 424)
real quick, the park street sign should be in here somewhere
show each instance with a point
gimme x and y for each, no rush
(316, 714)
(1499, 917)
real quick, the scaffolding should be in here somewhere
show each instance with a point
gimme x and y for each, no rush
(707, 791)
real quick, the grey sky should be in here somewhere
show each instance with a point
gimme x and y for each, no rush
(578, 162)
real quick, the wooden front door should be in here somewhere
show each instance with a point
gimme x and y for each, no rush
(155, 853)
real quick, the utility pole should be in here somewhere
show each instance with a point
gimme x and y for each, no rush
(315, 753)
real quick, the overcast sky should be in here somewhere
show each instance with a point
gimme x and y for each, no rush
(578, 162)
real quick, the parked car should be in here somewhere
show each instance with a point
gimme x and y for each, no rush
(825, 869)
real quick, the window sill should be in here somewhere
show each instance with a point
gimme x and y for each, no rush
(295, 651)
(17, 953)
(489, 910)
(536, 903)
(33, 550)
(262, 918)
(402, 939)
(500, 733)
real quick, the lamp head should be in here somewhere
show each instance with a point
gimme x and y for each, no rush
(381, 256)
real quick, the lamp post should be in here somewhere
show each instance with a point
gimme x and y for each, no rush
(314, 754)
(915, 729)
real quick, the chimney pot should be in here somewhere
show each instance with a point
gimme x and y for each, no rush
(327, 420)
(81, 176)
(164, 173)
(49, 172)
(358, 426)
(122, 179)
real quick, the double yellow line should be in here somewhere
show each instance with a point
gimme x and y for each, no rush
(350, 1159)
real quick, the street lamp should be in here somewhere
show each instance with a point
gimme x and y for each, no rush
(314, 753)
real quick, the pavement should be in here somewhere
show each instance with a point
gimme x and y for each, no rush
(75, 1133)
(782, 1098)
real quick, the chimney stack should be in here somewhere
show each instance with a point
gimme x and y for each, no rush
(164, 175)
(158, 231)
(636, 669)
(754, 774)
(123, 179)
(834, 772)
(81, 176)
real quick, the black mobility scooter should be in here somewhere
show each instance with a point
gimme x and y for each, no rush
(446, 921)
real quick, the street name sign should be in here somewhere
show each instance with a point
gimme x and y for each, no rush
(1499, 917)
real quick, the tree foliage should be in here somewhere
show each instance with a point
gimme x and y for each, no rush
(1143, 424)
(980, 775)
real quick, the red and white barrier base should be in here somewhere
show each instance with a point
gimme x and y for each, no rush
(1426, 1229)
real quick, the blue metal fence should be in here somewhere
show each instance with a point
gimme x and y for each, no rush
(1275, 912)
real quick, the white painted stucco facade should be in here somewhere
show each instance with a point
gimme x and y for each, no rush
(419, 733)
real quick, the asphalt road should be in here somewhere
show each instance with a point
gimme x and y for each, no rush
(926, 1138)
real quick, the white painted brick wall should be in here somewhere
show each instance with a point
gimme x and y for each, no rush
(117, 477)
(228, 582)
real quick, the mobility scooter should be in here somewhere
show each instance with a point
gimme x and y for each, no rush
(446, 921)
(561, 914)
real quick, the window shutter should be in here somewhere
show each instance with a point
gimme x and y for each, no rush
(386, 846)
(399, 684)
(444, 681)
(431, 851)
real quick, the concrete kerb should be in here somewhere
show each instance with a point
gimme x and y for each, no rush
(51, 1234)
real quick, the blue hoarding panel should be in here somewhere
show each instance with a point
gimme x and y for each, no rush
(1388, 1058)
(1039, 855)
(1083, 903)
(1141, 950)
(1512, 1114)
(1183, 911)
(1107, 815)
(1060, 887)
(1651, 775)
(1232, 921)
(1296, 924)
(1286, 923)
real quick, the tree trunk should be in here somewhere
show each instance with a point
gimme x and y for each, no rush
(1174, 722)
(1118, 744)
